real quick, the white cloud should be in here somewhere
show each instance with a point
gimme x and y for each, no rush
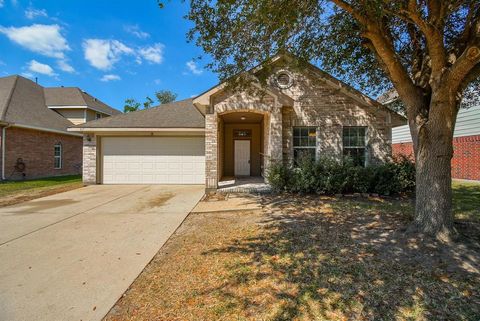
(43, 39)
(110, 77)
(153, 54)
(1, 3)
(192, 66)
(103, 54)
(65, 66)
(157, 81)
(32, 13)
(136, 31)
(39, 68)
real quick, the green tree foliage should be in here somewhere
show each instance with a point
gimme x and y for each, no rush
(131, 105)
(148, 103)
(165, 96)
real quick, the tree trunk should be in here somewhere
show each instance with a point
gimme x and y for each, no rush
(433, 155)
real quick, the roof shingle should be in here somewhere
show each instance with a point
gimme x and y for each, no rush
(179, 114)
(73, 96)
(23, 102)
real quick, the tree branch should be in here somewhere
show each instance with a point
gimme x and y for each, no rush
(433, 35)
(468, 60)
(348, 8)
(384, 50)
(462, 67)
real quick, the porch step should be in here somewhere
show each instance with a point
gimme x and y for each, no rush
(254, 189)
(252, 185)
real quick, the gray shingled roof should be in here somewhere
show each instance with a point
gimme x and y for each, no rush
(73, 96)
(179, 114)
(22, 102)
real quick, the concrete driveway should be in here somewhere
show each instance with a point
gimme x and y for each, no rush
(71, 256)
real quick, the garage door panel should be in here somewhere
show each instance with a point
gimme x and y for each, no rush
(153, 160)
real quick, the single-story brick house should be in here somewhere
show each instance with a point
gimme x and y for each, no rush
(223, 133)
(34, 141)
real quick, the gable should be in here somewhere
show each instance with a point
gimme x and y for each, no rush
(310, 87)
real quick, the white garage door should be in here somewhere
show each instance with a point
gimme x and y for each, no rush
(153, 160)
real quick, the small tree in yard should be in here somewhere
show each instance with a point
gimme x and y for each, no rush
(429, 50)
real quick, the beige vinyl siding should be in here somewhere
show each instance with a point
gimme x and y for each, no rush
(75, 115)
(91, 114)
(468, 124)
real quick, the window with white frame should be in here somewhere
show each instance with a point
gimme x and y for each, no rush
(355, 144)
(57, 156)
(304, 143)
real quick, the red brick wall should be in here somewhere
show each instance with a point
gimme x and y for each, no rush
(36, 150)
(466, 156)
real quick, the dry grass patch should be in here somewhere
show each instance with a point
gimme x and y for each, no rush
(14, 192)
(306, 258)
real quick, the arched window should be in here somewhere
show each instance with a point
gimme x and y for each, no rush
(57, 156)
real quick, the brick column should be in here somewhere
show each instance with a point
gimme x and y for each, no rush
(211, 152)
(89, 159)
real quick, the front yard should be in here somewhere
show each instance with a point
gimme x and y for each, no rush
(311, 258)
(14, 192)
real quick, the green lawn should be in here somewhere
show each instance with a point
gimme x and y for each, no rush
(9, 188)
(466, 200)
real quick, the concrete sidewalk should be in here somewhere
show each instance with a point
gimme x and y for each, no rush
(70, 256)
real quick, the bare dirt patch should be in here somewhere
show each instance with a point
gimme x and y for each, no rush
(306, 258)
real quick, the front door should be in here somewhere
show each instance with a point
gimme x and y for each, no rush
(242, 157)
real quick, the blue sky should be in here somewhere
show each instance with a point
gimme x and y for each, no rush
(111, 49)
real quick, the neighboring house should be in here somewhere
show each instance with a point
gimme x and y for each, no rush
(33, 128)
(466, 141)
(222, 134)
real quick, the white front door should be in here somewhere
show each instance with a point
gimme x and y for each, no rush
(242, 158)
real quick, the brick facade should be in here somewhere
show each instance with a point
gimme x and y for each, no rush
(317, 104)
(310, 101)
(36, 149)
(466, 156)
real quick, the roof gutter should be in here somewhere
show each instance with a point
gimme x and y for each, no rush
(133, 129)
(81, 107)
(43, 129)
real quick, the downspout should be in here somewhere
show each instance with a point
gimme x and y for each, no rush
(4, 141)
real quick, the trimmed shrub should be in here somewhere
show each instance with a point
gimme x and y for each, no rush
(327, 176)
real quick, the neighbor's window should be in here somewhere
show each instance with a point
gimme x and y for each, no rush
(98, 116)
(57, 156)
(354, 144)
(304, 142)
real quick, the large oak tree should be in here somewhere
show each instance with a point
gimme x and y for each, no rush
(428, 50)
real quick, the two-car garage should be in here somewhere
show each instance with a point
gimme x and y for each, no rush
(153, 160)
